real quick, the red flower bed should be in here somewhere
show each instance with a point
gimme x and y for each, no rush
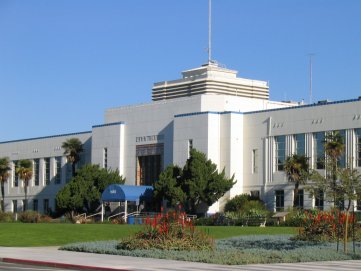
(326, 225)
(170, 231)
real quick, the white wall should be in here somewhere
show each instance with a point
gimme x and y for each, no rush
(110, 137)
(40, 148)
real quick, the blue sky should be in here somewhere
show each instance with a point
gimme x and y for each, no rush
(62, 63)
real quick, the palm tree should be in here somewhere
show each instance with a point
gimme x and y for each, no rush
(25, 172)
(73, 147)
(334, 148)
(297, 170)
(4, 175)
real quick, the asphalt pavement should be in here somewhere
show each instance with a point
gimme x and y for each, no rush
(52, 257)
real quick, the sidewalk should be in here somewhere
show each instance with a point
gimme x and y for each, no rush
(50, 256)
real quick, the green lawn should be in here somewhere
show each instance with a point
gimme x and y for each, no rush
(42, 234)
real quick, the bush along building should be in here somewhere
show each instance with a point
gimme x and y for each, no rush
(228, 118)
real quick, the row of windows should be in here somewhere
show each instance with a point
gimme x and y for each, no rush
(319, 201)
(299, 141)
(45, 172)
(35, 206)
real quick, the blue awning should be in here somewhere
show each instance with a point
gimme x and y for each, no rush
(120, 192)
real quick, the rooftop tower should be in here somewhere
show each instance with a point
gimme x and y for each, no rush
(210, 78)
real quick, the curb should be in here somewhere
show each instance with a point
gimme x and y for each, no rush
(59, 265)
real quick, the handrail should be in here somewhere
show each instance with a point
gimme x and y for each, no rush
(136, 213)
(94, 214)
(109, 217)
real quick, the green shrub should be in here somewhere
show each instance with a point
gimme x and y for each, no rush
(235, 204)
(172, 231)
(29, 217)
(45, 219)
(6, 217)
(204, 221)
(246, 205)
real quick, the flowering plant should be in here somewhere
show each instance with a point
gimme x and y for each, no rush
(169, 231)
(325, 225)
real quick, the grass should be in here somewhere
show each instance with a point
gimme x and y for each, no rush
(53, 234)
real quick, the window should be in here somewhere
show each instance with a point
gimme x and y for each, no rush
(35, 205)
(300, 144)
(255, 194)
(36, 171)
(58, 170)
(255, 161)
(46, 206)
(190, 147)
(105, 158)
(299, 199)
(358, 147)
(342, 160)
(340, 203)
(280, 144)
(280, 200)
(319, 150)
(47, 171)
(25, 205)
(15, 206)
(16, 175)
(319, 200)
(69, 172)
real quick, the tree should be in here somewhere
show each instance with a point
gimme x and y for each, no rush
(25, 171)
(4, 175)
(197, 184)
(334, 148)
(339, 184)
(168, 186)
(83, 192)
(350, 188)
(72, 149)
(297, 171)
(201, 181)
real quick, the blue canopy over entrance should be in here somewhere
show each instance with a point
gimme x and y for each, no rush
(120, 192)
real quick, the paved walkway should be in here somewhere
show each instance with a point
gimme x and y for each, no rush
(50, 256)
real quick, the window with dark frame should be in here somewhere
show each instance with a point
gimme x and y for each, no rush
(255, 161)
(280, 145)
(46, 171)
(300, 199)
(319, 150)
(58, 170)
(358, 147)
(319, 200)
(300, 144)
(280, 200)
(36, 164)
(105, 158)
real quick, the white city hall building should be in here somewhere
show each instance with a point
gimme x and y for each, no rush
(230, 119)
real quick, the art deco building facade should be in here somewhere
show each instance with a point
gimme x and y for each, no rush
(230, 119)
